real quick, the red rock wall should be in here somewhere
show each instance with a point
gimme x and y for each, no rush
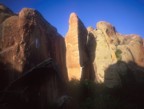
(26, 40)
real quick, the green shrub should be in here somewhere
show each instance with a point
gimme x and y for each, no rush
(118, 53)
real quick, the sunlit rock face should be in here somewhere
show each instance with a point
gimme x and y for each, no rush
(26, 40)
(105, 45)
(76, 55)
(102, 54)
(134, 45)
(115, 54)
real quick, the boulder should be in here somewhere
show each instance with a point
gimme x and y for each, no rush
(90, 28)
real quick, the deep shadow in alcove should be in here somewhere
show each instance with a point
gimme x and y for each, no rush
(131, 84)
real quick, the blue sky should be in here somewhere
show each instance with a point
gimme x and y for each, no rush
(126, 15)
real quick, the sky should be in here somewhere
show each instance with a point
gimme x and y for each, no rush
(126, 15)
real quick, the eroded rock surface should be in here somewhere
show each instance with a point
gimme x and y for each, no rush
(76, 54)
(115, 54)
(26, 40)
(100, 54)
(103, 54)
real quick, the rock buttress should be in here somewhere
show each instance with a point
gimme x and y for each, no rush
(76, 50)
(26, 40)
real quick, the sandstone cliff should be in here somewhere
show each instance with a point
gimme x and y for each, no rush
(103, 54)
(115, 54)
(76, 54)
(26, 40)
(36, 62)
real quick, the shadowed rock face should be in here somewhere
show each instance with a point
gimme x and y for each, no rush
(4, 13)
(26, 40)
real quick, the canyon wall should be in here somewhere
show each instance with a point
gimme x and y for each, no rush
(26, 39)
(103, 55)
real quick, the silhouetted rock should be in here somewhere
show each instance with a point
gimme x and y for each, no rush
(38, 88)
